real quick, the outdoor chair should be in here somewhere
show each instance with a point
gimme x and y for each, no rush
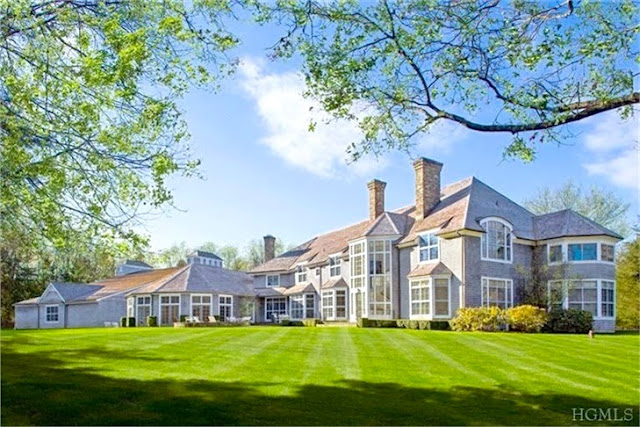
(212, 319)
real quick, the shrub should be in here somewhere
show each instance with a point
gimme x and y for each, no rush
(183, 318)
(488, 319)
(439, 325)
(131, 322)
(288, 322)
(123, 322)
(310, 322)
(526, 318)
(425, 325)
(152, 321)
(569, 321)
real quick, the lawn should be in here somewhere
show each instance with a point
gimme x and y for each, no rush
(302, 376)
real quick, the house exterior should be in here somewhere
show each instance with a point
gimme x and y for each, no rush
(461, 245)
(201, 288)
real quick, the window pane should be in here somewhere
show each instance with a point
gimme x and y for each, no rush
(555, 253)
(589, 251)
(442, 308)
(606, 252)
(575, 252)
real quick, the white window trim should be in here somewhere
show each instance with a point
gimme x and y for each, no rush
(266, 280)
(225, 304)
(268, 299)
(562, 254)
(565, 295)
(565, 242)
(367, 279)
(201, 295)
(160, 304)
(425, 233)
(304, 272)
(421, 316)
(432, 298)
(331, 294)
(46, 307)
(337, 265)
(484, 234)
(483, 278)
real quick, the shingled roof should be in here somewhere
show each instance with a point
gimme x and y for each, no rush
(568, 223)
(206, 254)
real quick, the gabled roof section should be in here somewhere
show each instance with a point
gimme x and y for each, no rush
(337, 282)
(430, 269)
(568, 223)
(387, 224)
(76, 291)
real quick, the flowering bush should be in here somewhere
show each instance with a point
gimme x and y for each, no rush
(487, 319)
(526, 318)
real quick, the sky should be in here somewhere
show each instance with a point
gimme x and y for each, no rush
(263, 172)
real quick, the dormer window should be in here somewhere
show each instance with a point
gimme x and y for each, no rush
(301, 274)
(335, 266)
(429, 247)
(273, 280)
(496, 241)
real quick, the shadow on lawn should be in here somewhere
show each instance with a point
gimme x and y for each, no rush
(37, 389)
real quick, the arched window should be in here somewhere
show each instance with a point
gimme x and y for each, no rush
(496, 241)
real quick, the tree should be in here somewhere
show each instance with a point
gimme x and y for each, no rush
(522, 68)
(597, 204)
(254, 252)
(89, 124)
(628, 286)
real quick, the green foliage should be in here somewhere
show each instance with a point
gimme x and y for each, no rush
(310, 322)
(597, 204)
(526, 318)
(400, 68)
(424, 325)
(364, 322)
(569, 321)
(288, 322)
(152, 321)
(90, 127)
(628, 286)
(123, 322)
(488, 319)
(183, 318)
(131, 322)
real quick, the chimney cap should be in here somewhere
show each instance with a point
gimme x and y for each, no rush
(269, 236)
(421, 160)
(376, 182)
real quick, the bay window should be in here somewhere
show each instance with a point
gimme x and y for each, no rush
(274, 307)
(582, 252)
(592, 295)
(497, 292)
(302, 306)
(327, 305)
(496, 242)
(607, 299)
(420, 297)
(430, 298)
(583, 295)
(606, 252)
(555, 253)
(379, 254)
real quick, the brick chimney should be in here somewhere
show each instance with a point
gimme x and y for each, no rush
(427, 185)
(269, 247)
(376, 198)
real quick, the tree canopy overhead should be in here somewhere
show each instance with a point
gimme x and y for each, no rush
(89, 125)
(524, 68)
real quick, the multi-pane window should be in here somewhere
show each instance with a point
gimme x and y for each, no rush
(556, 294)
(327, 305)
(555, 253)
(169, 309)
(341, 304)
(301, 274)
(428, 246)
(420, 297)
(582, 251)
(201, 307)
(334, 266)
(310, 306)
(357, 260)
(297, 306)
(497, 292)
(52, 315)
(225, 306)
(496, 241)
(607, 298)
(379, 254)
(273, 280)
(143, 309)
(131, 302)
(275, 307)
(606, 252)
(583, 295)
(441, 297)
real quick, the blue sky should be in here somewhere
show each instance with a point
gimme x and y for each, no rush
(264, 173)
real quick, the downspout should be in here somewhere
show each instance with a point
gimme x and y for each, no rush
(463, 278)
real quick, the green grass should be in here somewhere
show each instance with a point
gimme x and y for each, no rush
(302, 376)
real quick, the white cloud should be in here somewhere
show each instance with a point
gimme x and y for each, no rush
(615, 149)
(287, 115)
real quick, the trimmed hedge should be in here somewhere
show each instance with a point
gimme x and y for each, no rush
(288, 322)
(123, 322)
(131, 322)
(488, 319)
(183, 318)
(569, 321)
(526, 318)
(152, 321)
(424, 325)
(363, 322)
(310, 322)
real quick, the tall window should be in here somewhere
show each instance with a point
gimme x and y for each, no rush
(496, 241)
(131, 302)
(606, 252)
(583, 251)
(607, 298)
(225, 306)
(274, 307)
(201, 307)
(297, 306)
(169, 309)
(429, 248)
(497, 292)
(357, 260)
(310, 306)
(273, 280)
(379, 253)
(556, 294)
(441, 297)
(421, 297)
(327, 305)
(301, 274)
(143, 309)
(334, 266)
(341, 303)
(555, 253)
(583, 295)
(52, 315)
